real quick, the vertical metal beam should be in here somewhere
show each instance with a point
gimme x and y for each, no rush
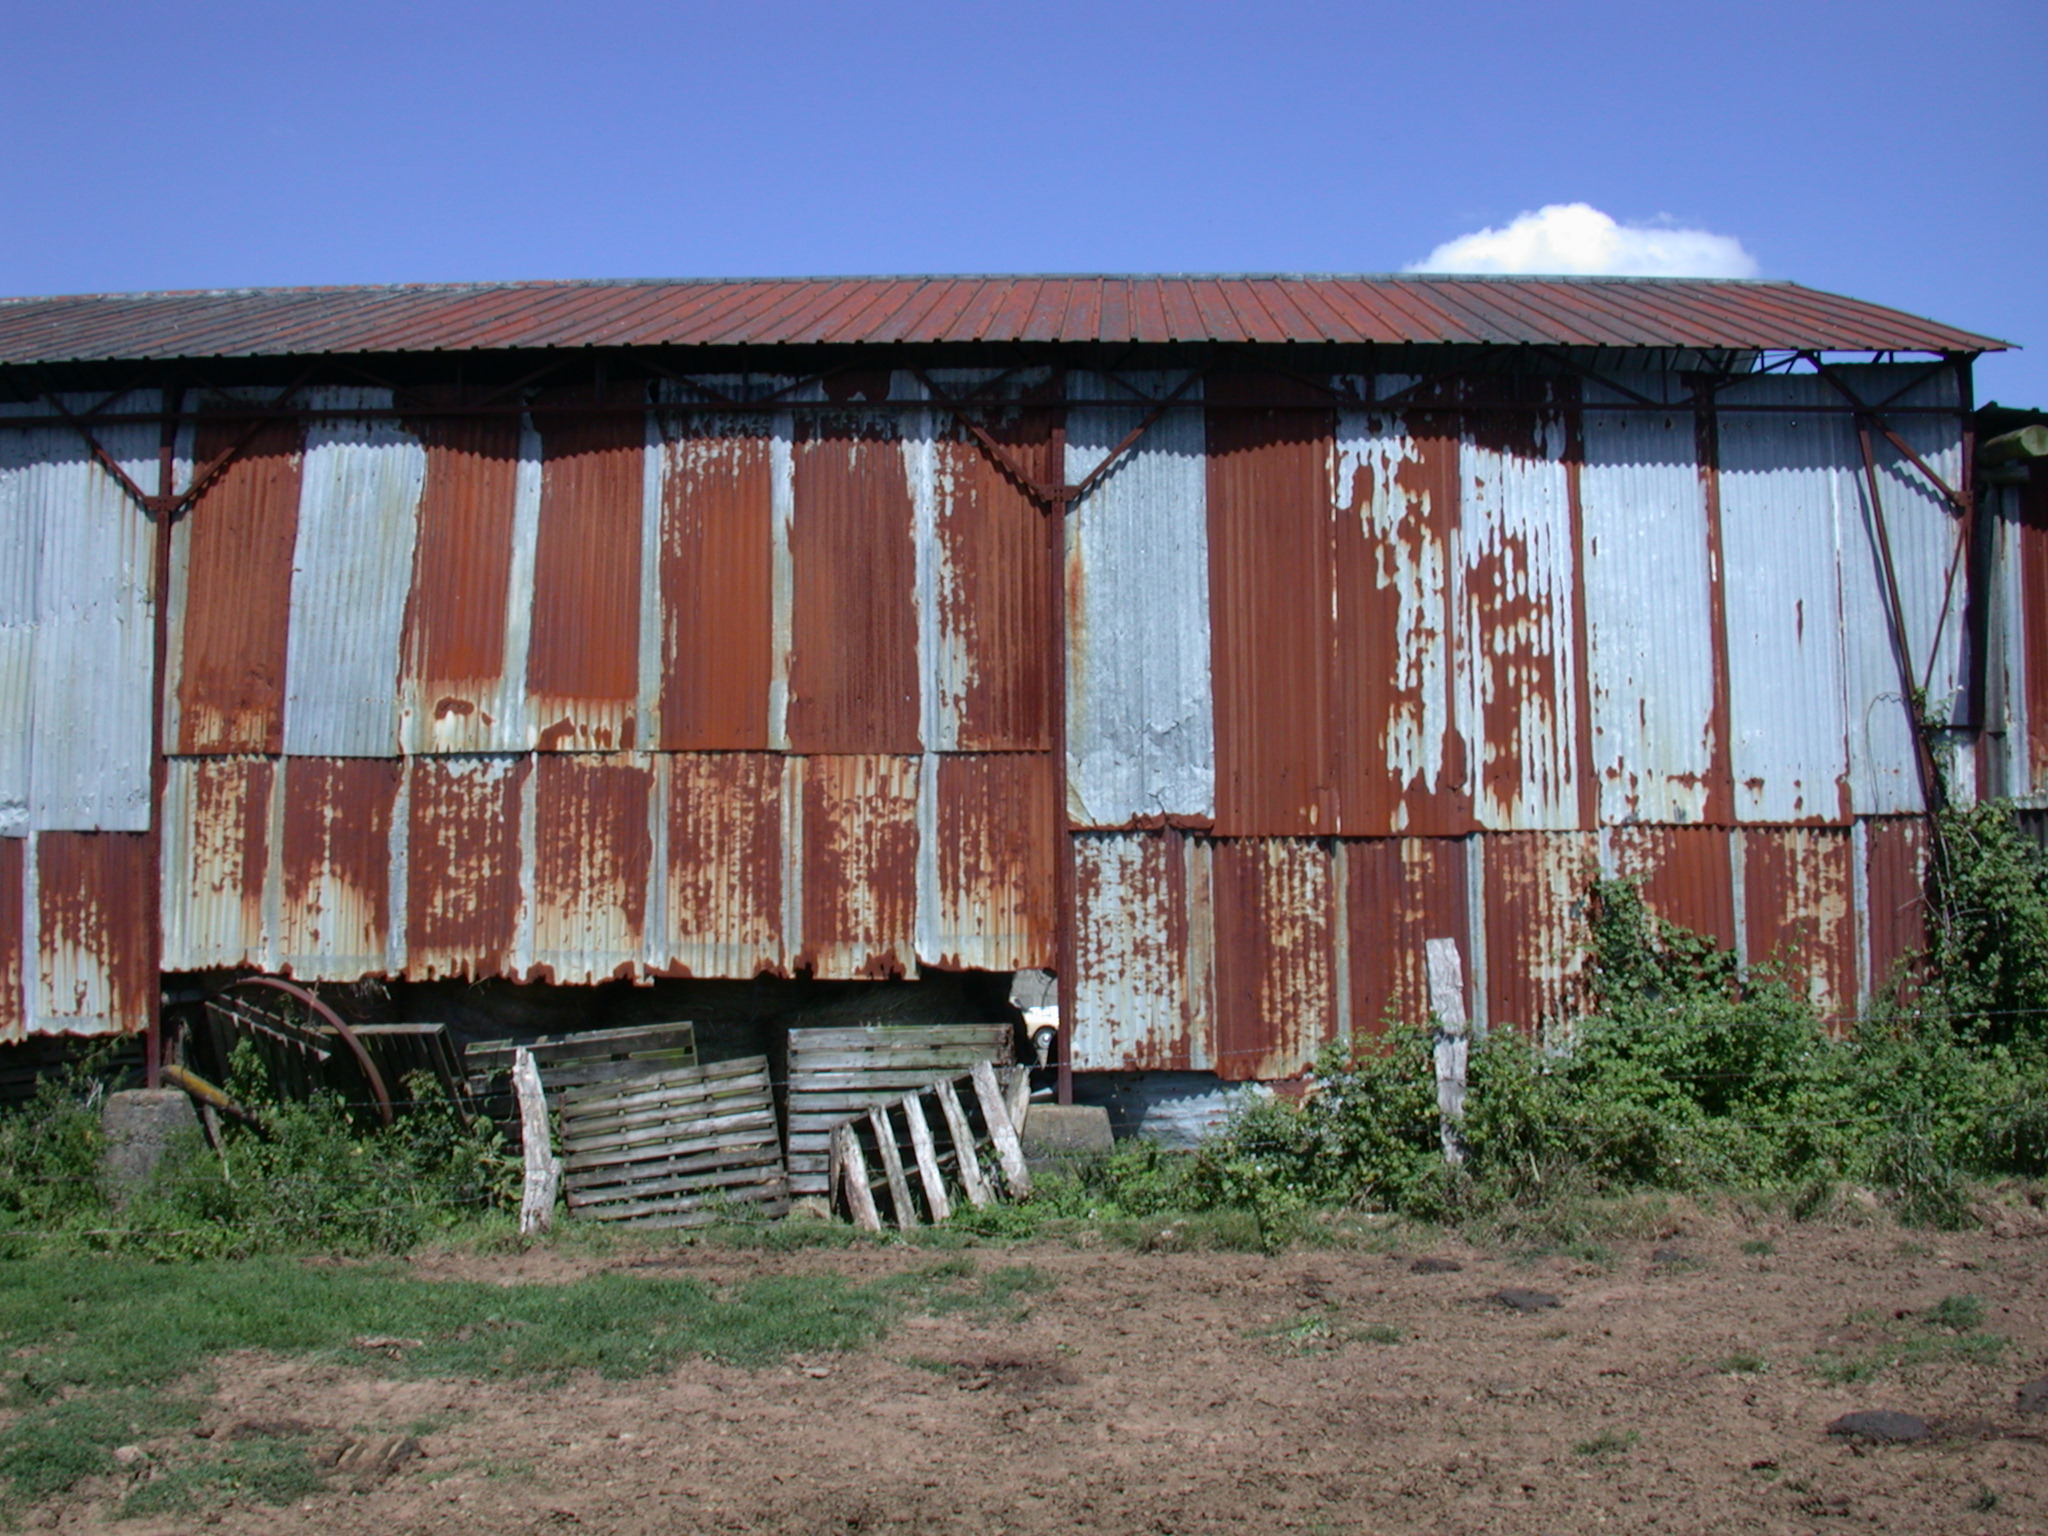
(1066, 946)
(159, 765)
(1720, 802)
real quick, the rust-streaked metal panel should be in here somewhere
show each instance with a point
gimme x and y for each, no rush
(13, 935)
(1799, 910)
(992, 619)
(1399, 893)
(1896, 876)
(1276, 953)
(591, 856)
(1270, 605)
(1134, 1005)
(1141, 735)
(216, 862)
(94, 969)
(996, 843)
(583, 660)
(2032, 585)
(1520, 586)
(463, 681)
(1642, 312)
(853, 664)
(1785, 481)
(334, 920)
(463, 894)
(1685, 875)
(859, 866)
(1651, 638)
(234, 613)
(717, 582)
(1402, 747)
(359, 500)
(725, 865)
(1925, 534)
(77, 624)
(1534, 886)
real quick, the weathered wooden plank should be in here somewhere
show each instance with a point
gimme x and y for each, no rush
(1009, 1151)
(971, 1178)
(655, 1206)
(718, 1077)
(927, 1155)
(586, 1043)
(655, 1141)
(609, 1175)
(543, 1179)
(758, 1171)
(892, 1166)
(853, 1174)
(631, 1097)
(943, 1057)
(857, 1036)
(745, 1123)
(881, 1079)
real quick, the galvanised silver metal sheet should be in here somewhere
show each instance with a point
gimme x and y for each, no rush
(1926, 541)
(1787, 483)
(1135, 1005)
(1520, 573)
(1648, 589)
(359, 504)
(221, 893)
(77, 627)
(1141, 736)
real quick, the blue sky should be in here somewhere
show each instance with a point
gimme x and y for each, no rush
(1898, 152)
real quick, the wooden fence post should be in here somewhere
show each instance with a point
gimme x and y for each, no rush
(1453, 1043)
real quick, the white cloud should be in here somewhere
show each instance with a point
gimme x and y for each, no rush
(1578, 240)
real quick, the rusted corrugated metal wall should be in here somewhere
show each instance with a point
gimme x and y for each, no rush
(1465, 660)
(602, 690)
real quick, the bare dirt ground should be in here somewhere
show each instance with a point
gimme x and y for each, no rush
(1673, 1389)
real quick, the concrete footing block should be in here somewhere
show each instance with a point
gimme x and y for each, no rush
(1054, 1134)
(141, 1124)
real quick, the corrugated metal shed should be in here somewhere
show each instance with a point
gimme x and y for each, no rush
(1585, 312)
(632, 680)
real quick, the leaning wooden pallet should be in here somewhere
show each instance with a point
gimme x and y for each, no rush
(672, 1148)
(957, 1136)
(837, 1072)
(578, 1059)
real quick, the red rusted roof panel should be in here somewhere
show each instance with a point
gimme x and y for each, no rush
(1276, 974)
(725, 865)
(1897, 865)
(995, 618)
(93, 899)
(860, 851)
(1536, 929)
(1270, 611)
(593, 851)
(13, 1006)
(336, 921)
(1685, 873)
(1630, 312)
(238, 591)
(462, 886)
(1399, 894)
(717, 584)
(583, 665)
(853, 683)
(997, 833)
(1799, 910)
(453, 667)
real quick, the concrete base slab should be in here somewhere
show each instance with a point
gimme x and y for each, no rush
(1053, 1134)
(141, 1124)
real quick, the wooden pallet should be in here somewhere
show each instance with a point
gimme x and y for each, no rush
(403, 1049)
(957, 1137)
(838, 1072)
(670, 1148)
(581, 1059)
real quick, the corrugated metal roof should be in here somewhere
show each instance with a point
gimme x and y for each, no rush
(1585, 312)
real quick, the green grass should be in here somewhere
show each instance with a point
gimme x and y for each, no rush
(1325, 1330)
(262, 1469)
(1759, 1247)
(1945, 1333)
(1742, 1363)
(1607, 1443)
(105, 1352)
